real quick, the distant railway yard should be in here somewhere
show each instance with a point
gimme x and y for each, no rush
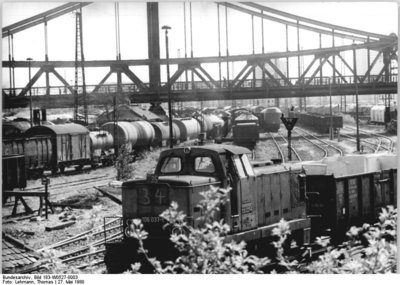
(85, 216)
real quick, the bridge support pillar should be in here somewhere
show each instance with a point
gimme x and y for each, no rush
(153, 39)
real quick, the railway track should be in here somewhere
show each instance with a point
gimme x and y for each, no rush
(87, 248)
(326, 148)
(367, 145)
(384, 142)
(282, 148)
(75, 185)
(281, 153)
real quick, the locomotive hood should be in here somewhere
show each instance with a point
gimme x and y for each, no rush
(187, 180)
(177, 180)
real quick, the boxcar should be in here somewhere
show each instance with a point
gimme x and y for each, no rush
(70, 144)
(13, 163)
(37, 151)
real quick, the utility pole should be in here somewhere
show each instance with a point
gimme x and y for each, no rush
(30, 92)
(171, 145)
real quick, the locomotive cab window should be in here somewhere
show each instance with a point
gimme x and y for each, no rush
(247, 165)
(171, 165)
(239, 166)
(204, 164)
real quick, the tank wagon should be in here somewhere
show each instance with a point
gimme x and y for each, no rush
(218, 125)
(225, 116)
(70, 144)
(259, 198)
(161, 133)
(189, 128)
(271, 119)
(122, 132)
(101, 148)
(145, 134)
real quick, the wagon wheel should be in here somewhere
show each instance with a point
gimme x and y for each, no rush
(79, 167)
(54, 170)
(62, 168)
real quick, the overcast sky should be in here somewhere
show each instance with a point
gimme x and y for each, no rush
(99, 30)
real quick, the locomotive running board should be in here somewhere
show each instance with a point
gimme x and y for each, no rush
(266, 231)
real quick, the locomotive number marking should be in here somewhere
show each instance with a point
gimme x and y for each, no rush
(144, 197)
(159, 195)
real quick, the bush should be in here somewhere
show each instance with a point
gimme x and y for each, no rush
(370, 249)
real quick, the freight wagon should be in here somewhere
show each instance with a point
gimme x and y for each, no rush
(70, 145)
(317, 122)
(246, 130)
(349, 190)
(37, 152)
(271, 119)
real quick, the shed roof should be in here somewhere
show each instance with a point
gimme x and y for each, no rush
(16, 258)
(128, 113)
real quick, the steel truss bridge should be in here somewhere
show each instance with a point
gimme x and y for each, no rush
(275, 79)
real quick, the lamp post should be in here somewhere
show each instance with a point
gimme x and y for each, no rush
(30, 91)
(330, 110)
(166, 28)
(356, 86)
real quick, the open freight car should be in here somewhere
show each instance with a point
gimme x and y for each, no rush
(318, 122)
(349, 190)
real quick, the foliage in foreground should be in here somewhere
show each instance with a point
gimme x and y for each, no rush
(370, 249)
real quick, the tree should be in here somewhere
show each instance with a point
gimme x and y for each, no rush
(122, 163)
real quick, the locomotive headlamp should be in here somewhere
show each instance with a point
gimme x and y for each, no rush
(186, 150)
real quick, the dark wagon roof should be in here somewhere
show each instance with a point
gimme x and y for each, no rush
(14, 128)
(58, 129)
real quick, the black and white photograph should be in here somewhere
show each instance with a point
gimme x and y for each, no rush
(198, 137)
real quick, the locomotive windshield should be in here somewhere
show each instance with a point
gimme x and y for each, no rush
(171, 164)
(204, 164)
